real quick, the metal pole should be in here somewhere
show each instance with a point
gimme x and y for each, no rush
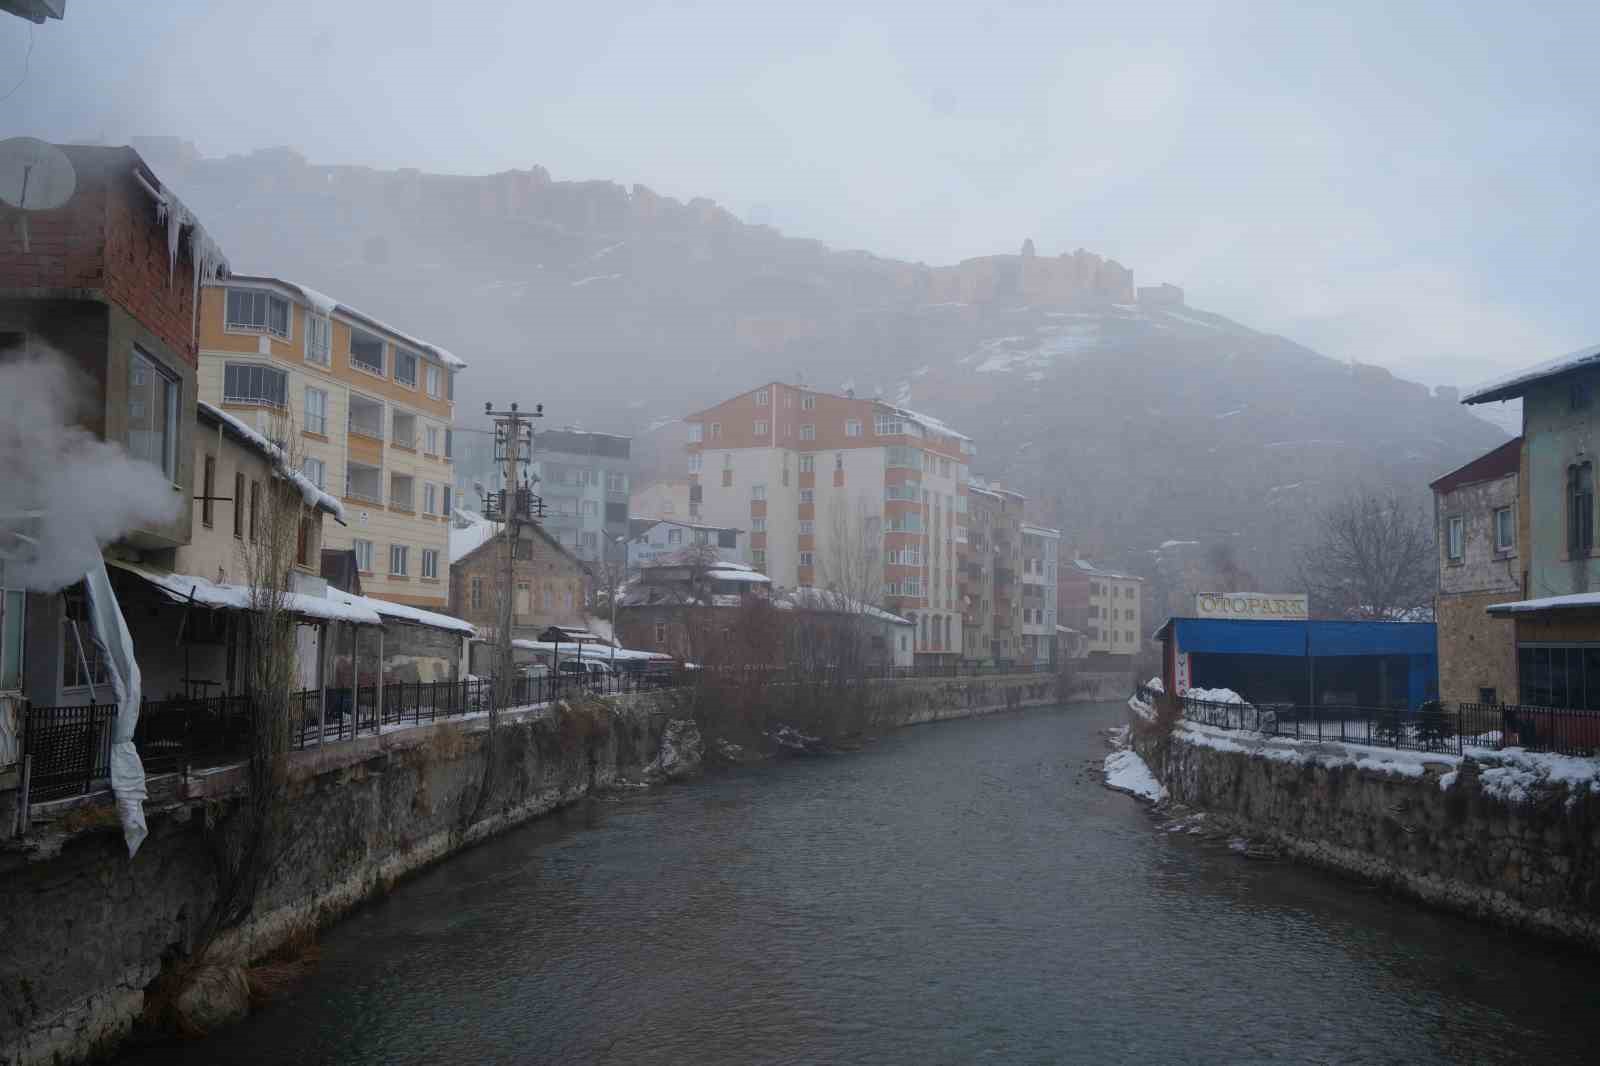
(322, 681)
(377, 726)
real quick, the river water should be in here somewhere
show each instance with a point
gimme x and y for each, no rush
(955, 892)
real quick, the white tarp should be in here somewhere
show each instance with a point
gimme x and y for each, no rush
(127, 772)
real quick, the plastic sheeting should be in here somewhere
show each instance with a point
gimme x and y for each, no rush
(127, 772)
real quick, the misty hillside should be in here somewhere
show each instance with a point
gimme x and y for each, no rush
(1133, 418)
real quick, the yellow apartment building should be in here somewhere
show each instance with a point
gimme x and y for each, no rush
(371, 408)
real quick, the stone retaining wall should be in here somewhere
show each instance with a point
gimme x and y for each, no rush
(1436, 832)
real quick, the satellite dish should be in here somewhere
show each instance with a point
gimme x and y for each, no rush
(34, 176)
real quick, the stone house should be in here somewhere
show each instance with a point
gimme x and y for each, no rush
(551, 587)
(1477, 514)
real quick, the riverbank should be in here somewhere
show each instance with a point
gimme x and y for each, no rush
(1509, 836)
(89, 932)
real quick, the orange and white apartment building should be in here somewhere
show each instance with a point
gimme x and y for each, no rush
(826, 484)
(372, 408)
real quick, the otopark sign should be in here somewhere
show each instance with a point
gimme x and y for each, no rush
(1287, 607)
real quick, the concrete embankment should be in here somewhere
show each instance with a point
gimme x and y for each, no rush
(87, 931)
(1507, 836)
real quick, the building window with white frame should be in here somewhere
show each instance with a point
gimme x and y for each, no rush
(807, 527)
(1456, 540)
(316, 470)
(758, 558)
(399, 559)
(758, 525)
(808, 402)
(807, 559)
(763, 398)
(716, 431)
(256, 384)
(432, 374)
(758, 491)
(430, 441)
(808, 464)
(696, 432)
(852, 427)
(405, 367)
(316, 411)
(761, 428)
(808, 495)
(366, 351)
(696, 460)
(430, 501)
(1505, 529)
(363, 552)
(257, 311)
(887, 425)
(430, 563)
(319, 338)
(808, 432)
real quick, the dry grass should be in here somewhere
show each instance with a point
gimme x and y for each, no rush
(582, 720)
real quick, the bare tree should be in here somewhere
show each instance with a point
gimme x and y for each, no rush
(1373, 558)
(851, 560)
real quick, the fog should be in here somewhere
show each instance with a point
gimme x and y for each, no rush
(1403, 184)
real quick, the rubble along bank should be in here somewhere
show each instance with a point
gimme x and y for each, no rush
(1481, 837)
(89, 930)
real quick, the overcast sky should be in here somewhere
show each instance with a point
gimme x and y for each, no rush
(1410, 184)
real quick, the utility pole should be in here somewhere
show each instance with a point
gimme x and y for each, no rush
(513, 505)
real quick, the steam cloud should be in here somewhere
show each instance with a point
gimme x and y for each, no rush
(64, 493)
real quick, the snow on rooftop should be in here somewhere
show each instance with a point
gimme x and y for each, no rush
(928, 422)
(1575, 601)
(184, 587)
(326, 305)
(808, 598)
(469, 531)
(309, 492)
(1509, 385)
(723, 574)
(402, 612)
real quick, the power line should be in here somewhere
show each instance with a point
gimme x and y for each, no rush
(28, 55)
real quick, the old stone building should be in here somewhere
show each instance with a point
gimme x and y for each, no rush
(550, 585)
(1480, 564)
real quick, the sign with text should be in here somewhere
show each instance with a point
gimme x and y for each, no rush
(1255, 605)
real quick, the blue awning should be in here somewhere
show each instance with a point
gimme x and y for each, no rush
(1231, 636)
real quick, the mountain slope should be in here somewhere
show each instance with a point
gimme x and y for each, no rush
(1132, 418)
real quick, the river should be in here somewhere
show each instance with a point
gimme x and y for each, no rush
(955, 892)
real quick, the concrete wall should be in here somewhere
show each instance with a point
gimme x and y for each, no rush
(1557, 437)
(1534, 864)
(1476, 651)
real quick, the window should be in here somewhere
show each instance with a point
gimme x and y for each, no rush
(255, 383)
(887, 425)
(316, 471)
(838, 461)
(444, 499)
(661, 634)
(696, 460)
(83, 662)
(403, 427)
(399, 556)
(366, 417)
(363, 482)
(363, 551)
(726, 538)
(696, 432)
(153, 414)
(808, 464)
(808, 496)
(616, 482)
(476, 592)
(1580, 395)
(807, 559)
(727, 477)
(911, 586)
(808, 402)
(257, 311)
(807, 527)
(431, 374)
(238, 506)
(852, 427)
(1580, 509)
(449, 443)
(716, 431)
(316, 418)
(1488, 695)
(402, 492)
(761, 428)
(808, 432)
(758, 491)
(319, 331)
(405, 367)
(1505, 529)
(208, 492)
(430, 502)
(366, 350)
(908, 458)
(430, 440)
(674, 535)
(763, 398)
(255, 509)
(758, 558)
(430, 563)
(758, 525)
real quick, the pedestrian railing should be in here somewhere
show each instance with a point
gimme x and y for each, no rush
(1449, 729)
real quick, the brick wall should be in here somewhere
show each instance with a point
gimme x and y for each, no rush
(106, 240)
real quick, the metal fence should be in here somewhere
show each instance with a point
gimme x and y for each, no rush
(71, 746)
(1449, 729)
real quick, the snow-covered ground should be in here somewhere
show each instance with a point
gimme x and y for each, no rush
(1126, 772)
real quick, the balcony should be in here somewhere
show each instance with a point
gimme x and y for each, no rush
(403, 433)
(402, 493)
(1004, 575)
(364, 483)
(366, 417)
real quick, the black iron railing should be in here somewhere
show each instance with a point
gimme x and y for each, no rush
(70, 748)
(1450, 729)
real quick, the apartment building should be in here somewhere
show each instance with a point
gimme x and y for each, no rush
(369, 410)
(663, 498)
(1040, 546)
(1102, 604)
(992, 603)
(854, 494)
(584, 479)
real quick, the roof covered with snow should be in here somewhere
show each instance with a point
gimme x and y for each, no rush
(1085, 566)
(807, 598)
(1575, 602)
(327, 305)
(1509, 386)
(402, 613)
(184, 588)
(726, 572)
(469, 531)
(927, 422)
(309, 492)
